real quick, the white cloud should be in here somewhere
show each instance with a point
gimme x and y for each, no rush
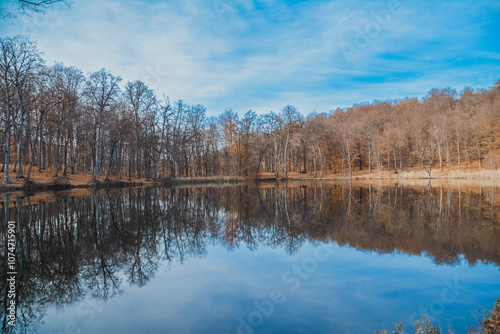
(265, 54)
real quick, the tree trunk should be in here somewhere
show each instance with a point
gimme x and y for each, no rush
(458, 150)
(304, 158)
(400, 159)
(20, 140)
(7, 141)
(479, 158)
(97, 146)
(448, 159)
(349, 160)
(285, 155)
(359, 157)
(439, 148)
(57, 149)
(276, 157)
(395, 160)
(314, 163)
(369, 159)
(321, 166)
(343, 162)
(65, 155)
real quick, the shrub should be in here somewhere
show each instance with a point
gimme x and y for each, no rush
(491, 322)
(489, 325)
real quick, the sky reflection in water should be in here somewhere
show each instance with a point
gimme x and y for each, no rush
(349, 292)
(266, 275)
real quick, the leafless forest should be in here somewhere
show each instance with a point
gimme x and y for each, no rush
(59, 117)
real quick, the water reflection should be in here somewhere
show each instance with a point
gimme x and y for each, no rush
(71, 248)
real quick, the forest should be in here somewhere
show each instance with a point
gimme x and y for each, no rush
(60, 118)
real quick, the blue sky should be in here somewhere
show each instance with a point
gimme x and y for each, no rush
(264, 54)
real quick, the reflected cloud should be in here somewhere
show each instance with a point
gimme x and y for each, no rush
(91, 247)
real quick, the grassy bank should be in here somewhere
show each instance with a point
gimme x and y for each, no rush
(42, 181)
(45, 181)
(407, 174)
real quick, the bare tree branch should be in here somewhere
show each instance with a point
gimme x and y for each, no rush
(12, 8)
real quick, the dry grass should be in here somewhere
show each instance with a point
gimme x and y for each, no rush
(489, 325)
(44, 196)
(472, 173)
(46, 177)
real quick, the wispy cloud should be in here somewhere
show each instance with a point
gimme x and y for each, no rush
(262, 55)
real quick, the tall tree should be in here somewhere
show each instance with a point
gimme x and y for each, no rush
(230, 126)
(101, 91)
(142, 101)
(66, 84)
(291, 118)
(20, 62)
(275, 125)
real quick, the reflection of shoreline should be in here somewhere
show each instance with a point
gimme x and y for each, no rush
(456, 185)
(71, 246)
(340, 213)
(473, 185)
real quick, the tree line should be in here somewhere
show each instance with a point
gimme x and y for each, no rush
(57, 116)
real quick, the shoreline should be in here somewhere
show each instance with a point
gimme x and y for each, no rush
(63, 183)
(45, 191)
(84, 181)
(413, 175)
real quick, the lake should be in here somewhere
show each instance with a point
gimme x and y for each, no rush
(315, 257)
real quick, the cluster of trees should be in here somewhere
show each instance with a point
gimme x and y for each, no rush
(59, 117)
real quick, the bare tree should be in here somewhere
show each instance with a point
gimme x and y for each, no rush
(246, 131)
(66, 84)
(101, 92)
(230, 125)
(291, 119)
(274, 123)
(142, 101)
(25, 7)
(20, 62)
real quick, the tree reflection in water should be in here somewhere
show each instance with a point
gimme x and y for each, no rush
(71, 248)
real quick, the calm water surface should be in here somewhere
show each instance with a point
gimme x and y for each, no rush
(273, 258)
